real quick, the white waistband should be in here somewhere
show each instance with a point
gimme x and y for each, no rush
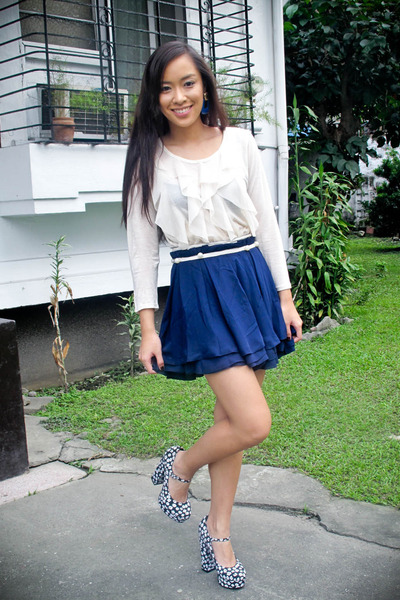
(217, 253)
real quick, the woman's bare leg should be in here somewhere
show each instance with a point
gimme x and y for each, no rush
(224, 475)
(241, 420)
(247, 423)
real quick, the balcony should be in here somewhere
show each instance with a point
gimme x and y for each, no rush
(83, 61)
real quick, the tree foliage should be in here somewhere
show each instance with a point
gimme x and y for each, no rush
(384, 209)
(343, 61)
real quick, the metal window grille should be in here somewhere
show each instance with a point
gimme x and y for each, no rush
(84, 59)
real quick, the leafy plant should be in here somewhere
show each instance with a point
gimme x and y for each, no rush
(130, 320)
(380, 268)
(59, 349)
(323, 272)
(132, 102)
(94, 100)
(384, 209)
(244, 100)
(60, 92)
(300, 146)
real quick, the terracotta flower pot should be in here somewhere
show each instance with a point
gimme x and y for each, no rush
(63, 129)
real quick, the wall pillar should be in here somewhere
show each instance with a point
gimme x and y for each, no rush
(13, 449)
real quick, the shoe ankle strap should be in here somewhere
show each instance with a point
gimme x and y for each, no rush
(179, 478)
(227, 539)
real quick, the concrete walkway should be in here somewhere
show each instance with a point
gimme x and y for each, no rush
(96, 532)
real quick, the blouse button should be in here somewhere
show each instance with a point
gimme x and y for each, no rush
(177, 260)
(200, 255)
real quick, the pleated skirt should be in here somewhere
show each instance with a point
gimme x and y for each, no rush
(221, 311)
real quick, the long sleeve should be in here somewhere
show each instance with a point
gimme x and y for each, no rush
(144, 258)
(268, 234)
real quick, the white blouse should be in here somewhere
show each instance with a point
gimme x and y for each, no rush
(221, 198)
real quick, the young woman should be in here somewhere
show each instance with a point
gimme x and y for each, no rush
(229, 314)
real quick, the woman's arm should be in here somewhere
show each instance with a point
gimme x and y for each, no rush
(143, 249)
(144, 258)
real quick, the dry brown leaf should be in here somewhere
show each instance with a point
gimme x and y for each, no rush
(56, 354)
(49, 308)
(65, 349)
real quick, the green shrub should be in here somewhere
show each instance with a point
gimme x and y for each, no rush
(323, 272)
(131, 320)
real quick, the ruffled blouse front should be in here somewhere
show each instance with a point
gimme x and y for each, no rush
(203, 201)
(221, 198)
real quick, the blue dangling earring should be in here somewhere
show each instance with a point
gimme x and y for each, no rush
(205, 107)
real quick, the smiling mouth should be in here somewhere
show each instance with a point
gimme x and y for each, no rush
(181, 111)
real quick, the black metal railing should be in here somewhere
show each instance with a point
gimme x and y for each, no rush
(83, 60)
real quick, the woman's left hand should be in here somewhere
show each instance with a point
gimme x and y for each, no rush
(290, 315)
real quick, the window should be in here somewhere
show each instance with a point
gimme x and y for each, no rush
(139, 28)
(64, 23)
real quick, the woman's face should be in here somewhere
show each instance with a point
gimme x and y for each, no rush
(181, 92)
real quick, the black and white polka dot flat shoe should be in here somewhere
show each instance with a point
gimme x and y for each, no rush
(178, 511)
(228, 577)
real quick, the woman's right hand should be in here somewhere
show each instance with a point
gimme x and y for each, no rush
(150, 346)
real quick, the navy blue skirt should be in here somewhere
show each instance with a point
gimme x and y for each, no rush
(221, 311)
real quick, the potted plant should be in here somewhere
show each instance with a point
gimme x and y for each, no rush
(63, 125)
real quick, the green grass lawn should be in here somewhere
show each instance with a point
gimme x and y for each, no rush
(335, 402)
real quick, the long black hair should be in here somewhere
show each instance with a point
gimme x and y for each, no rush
(150, 124)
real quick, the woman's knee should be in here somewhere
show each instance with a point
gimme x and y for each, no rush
(240, 401)
(256, 430)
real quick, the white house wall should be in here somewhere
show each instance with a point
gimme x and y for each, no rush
(52, 190)
(269, 64)
(49, 190)
(96, 262)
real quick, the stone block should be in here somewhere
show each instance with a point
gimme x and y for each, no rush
(33, 404)
(13, 448)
